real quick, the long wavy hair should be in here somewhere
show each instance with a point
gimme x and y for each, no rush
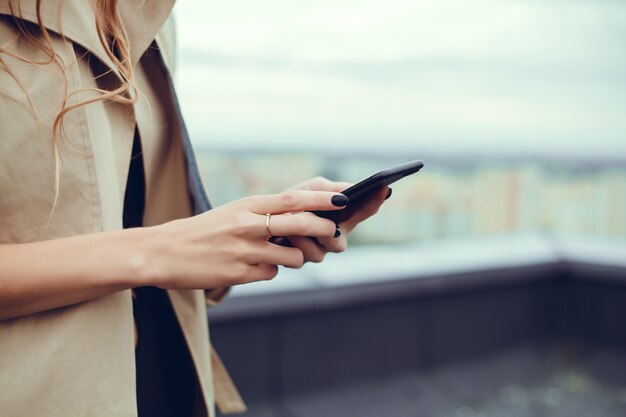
(114, 39)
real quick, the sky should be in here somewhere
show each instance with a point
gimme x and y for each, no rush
(448, 75)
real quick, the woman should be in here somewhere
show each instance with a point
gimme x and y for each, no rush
(104, 222)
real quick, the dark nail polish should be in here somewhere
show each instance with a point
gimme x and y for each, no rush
(337, 232)
(388, 193)
(339, 200)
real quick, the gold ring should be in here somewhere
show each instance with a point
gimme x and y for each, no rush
(267, 225)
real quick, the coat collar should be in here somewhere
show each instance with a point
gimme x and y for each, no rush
(142, 19)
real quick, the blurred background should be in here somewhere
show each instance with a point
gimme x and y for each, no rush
(518, 110)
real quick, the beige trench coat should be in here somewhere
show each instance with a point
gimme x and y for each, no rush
(79, 360)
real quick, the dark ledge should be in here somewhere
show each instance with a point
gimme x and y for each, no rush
(547, 260)
(415, 311)
(321, 299)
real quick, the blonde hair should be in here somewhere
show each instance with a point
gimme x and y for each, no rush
(114, 39)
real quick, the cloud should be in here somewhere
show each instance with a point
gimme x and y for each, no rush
(487, 73)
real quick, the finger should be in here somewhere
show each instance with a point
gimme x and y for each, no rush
(322, 184)
(261, 272)
(330, 186)
(269, 253)
(310, 248)
(300, 224)
(335, 245)
(297, 200)
(368, 209)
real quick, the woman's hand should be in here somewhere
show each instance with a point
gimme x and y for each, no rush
(315, 248)
(229, 244)
(222, 247)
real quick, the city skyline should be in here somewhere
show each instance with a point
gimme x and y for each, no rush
(445, 200)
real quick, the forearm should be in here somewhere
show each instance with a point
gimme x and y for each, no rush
(44, 275)
(220, 248)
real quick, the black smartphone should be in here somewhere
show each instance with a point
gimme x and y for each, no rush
(359, 193)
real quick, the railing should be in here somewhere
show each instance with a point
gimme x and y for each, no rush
(532, 291)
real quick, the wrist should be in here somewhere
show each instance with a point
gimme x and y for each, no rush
(142, 259)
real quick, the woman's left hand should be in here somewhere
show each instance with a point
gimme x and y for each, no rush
(314, 249)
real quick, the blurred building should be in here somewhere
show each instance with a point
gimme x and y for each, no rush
(448, 198)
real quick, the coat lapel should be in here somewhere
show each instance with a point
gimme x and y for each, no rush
(197, 193)
(72, 18)
(75, 20)
(143, 20)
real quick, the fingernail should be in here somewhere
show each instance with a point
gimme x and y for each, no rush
(339, 200)
(389, 193)
(337, 232)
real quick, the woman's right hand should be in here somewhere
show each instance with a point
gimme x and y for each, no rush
(229, 244)
(222, 247)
